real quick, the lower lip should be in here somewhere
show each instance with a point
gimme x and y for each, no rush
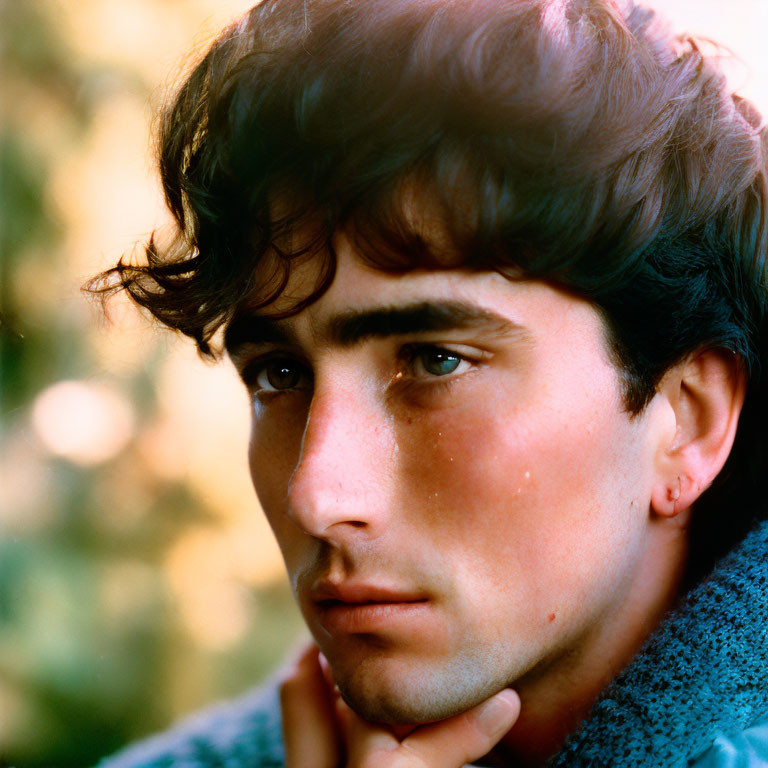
(356, 618)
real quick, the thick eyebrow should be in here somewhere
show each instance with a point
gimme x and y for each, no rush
(354, 326)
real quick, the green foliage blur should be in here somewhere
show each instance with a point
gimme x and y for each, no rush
(94, 651)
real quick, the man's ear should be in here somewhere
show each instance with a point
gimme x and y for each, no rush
(706, 393)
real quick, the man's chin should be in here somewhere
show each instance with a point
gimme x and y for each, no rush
(406, 703)
(399, 714)
(412, 687)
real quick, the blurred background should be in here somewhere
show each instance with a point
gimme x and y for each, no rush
(138, 580)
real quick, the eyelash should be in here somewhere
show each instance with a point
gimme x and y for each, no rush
(409, 356)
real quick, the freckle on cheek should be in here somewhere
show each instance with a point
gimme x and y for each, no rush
(551, 617)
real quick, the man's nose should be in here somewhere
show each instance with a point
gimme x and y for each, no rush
(339, 486)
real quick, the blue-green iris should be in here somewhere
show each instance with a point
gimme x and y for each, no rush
(439, 363)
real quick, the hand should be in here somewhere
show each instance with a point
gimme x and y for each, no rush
(321, 731)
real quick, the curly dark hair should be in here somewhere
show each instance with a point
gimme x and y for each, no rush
(564, 140)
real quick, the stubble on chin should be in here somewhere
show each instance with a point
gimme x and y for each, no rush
(415, 697)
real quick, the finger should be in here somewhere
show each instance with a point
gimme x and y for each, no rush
(446, 744)
(309, 728)
(363, 738)
(466, 737)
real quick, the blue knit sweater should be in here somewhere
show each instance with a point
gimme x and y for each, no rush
(702, 676)
(704, 672)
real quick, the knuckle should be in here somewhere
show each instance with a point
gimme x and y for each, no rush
(472, 727)
(411, 758)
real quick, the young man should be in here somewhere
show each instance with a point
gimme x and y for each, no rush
(493, 274)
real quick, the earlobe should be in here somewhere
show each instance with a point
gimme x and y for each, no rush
(706, 393)
(671, 496)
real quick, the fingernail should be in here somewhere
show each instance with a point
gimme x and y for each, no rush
(499, 711)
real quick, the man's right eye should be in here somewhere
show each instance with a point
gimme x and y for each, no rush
(277, 375)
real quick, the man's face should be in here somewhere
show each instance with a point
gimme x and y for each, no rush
(459, 495)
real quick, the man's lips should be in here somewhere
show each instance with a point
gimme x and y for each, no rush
(353, 608)
(355, 593)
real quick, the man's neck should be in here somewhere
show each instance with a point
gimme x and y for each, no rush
(558, 698)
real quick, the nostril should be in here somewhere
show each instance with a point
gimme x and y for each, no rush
(356, 523)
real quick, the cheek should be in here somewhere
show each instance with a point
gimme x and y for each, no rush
(511, 488)
(462, 469)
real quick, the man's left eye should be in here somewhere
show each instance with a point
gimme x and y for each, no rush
(439, 363)
(434, 361)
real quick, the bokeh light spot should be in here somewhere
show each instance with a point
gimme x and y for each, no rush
(85, 422)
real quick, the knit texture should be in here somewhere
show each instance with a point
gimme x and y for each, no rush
(704, 672)
(246, 733)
